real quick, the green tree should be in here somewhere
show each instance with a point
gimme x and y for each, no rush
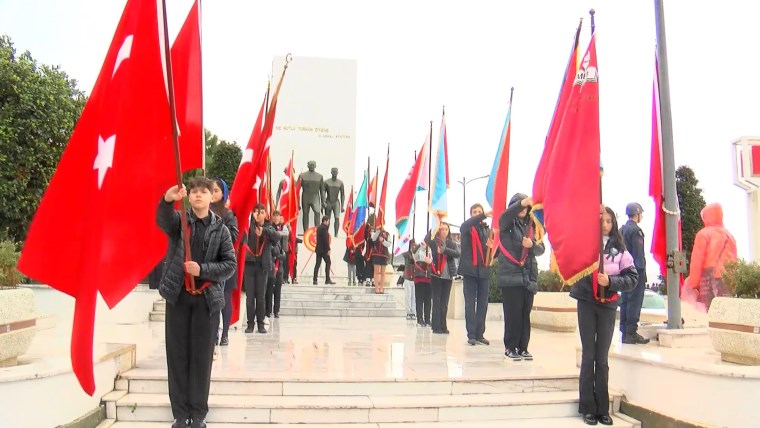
(691, 202)
(212, 140)
(39, 106)
(225, 161)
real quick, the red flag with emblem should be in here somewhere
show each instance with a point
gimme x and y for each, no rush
(346, 226)
(122, 142)
(188, 94)
(573, 165)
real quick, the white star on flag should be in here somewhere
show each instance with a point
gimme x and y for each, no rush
(247, 156)
(104, 159)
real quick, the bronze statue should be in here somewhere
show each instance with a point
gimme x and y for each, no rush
(311, 197)
(333, 190)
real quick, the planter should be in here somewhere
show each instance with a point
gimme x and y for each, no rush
(18, 319)
(734, 329)
(554, 312)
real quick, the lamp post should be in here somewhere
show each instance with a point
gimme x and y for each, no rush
(464, 182)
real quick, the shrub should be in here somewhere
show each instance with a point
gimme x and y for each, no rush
(9, 274)
(742, 279)
(550, 281)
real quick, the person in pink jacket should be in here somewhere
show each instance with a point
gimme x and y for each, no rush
(714, 246)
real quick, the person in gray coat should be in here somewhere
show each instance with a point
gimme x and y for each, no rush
(518, 274)
(444, 252)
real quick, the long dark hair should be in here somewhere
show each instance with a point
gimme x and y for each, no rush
(616, 239)
(219, 208)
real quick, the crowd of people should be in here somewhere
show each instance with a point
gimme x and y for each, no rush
(198, 291)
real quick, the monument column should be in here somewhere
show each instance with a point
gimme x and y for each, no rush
(746, 160)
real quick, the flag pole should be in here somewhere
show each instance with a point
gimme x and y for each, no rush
(600, 290)
(203, 130)
(175, 140)
(430, 174)
(668, 172)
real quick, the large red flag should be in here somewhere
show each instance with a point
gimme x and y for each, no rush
(248, 180)
(383, 190)
(659, 240)
(346, 225)
(188, 95)
(372, 191)
(118, 160)
(242, 195)
(572, 192)
(539, 182)
(416, 179)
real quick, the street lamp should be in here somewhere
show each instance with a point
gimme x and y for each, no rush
(464, 184)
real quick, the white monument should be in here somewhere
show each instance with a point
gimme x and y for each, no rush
(316, 121)
(746, 160)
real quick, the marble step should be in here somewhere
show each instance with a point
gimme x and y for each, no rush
(302, 295)
(158, 316)
(336, 304)
(335, 289)
(153, 381)
(360, 409)
(620, 421)
(325, 311)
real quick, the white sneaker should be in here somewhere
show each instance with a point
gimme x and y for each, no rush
(266, 321)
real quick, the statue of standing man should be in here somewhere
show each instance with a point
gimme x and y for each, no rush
(334, 198)
(311, 197)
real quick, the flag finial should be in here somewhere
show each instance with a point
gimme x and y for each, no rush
(592, 12)
(288, 59)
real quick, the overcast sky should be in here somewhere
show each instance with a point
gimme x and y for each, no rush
(415, 56)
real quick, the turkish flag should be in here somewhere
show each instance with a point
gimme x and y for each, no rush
(574, 166)
(188, 95)
(248, 179)
(95, 229)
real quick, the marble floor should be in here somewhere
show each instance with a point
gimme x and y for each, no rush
(320, 348)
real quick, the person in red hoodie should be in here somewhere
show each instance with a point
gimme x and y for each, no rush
(714, 246)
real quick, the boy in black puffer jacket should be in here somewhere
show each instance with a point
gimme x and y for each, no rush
(190, 313)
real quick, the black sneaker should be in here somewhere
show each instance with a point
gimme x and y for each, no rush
(328, 282)
(472, 342)
(605, 419)
(483, 341)
(512, 355)
(198, 423)
(224, 342)
(635, 339)
(526, 356)
(276, 315)
(445, 331)
(262, 330)
(589, 419)
(181, 423)
(315, 282)
(249, 329)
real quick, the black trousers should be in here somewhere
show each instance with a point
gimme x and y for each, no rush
(274, 292)
(229, 285)
(255, 280)
(475, 305)
(318, 264)
(630, 305)
(423, 301)
(441, 290)
(596, 325)
(189, 348)
(517, 303)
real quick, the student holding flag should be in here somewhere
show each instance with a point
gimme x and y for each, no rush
(518, 274)
(444, 252)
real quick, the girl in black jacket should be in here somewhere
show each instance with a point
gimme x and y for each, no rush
(219, 198)
(518, 274)
(444, 250)
(596, 320)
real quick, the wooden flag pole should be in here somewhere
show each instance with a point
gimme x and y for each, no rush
(175, 140)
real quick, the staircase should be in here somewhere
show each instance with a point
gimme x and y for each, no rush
(141, 400)
(326, 301)
(339, 301)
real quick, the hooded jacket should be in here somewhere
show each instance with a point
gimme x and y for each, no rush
(714, 246)
(512, 230)
(474, 235)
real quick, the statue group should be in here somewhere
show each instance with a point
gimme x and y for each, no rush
(319, 196)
